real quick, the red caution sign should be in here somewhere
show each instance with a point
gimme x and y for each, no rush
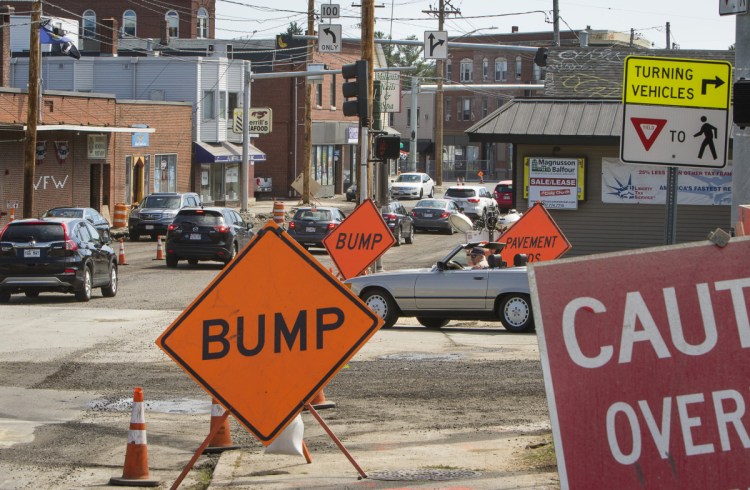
(359, 240)
(537, 235)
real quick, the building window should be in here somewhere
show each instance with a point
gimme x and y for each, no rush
(208, 105)
(323, 164)
(485, 107)
(165, 173)
(319, 95)
(89, 25)
(129, 21)
(448, 108)
(333, 91)
(408, 117)
(485, 69)
(223, 105)
(501, 69)
(173, 23)
(449, 70)
(467, 70)
(464, 108)
(202, 23)
(519, 67)
(500, 102)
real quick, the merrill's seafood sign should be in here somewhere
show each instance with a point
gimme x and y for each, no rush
(645, 360)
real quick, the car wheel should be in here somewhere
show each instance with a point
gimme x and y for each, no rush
(383, 305)
(421, 193)
(84, 293)
(432, 322)
(515, 313)
(134, 237)
(172, 260)
(432, 192)
(409, 239)
(232, 254)
(110, 290)
(31, 294)
(397, 236)
(4, 296)
(193, 261)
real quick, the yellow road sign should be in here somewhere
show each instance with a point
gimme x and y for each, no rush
(677, 82)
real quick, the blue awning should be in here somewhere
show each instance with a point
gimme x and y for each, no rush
(224, 152)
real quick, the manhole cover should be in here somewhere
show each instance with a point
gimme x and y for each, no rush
(422, 475)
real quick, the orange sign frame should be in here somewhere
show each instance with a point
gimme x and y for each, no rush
(359, 240)
(269, 332)
(537, 235)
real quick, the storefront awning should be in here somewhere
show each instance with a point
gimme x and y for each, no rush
(225, 152)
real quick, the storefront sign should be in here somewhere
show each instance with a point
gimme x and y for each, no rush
(97, 146)
(647, 184)
(352, 135)
(555, 182)
(139, 140)
(390, 90)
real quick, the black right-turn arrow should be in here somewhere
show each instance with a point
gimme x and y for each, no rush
(716, 82)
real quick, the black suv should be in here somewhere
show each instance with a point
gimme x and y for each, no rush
(63, 255)
(399, 221)
(155, 213)
(207, 233)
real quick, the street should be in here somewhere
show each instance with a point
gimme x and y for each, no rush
(69, 370)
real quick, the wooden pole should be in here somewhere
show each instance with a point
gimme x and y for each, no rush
(439, 107)
(32, 111)
(308, 108)
(368, 49)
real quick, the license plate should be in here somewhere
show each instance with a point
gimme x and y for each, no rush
(33, 252)
(195, 236)
(149, 227)
(310, 229)
(428, 215)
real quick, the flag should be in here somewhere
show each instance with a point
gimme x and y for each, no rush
(54, 35)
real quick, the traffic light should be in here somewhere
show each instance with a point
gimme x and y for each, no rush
(377, 107)
(356, 78)
(741, 109)
(540, 58)
(387, 147)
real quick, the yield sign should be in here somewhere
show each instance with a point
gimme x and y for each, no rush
(269, 332)
(359, 240)
(537, 235)
(647, 129)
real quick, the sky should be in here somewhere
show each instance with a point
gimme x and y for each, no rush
(694, 24)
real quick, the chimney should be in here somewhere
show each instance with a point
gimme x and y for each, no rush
(514, 29)
(109, 37)
(5, 13)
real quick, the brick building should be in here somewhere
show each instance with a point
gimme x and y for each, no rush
(84, 144)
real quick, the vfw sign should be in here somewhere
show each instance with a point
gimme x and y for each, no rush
(646, 366)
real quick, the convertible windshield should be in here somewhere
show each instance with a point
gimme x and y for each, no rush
(408, 178)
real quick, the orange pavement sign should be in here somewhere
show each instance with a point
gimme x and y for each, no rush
(269, 332)
(359, 240)
(537, 235)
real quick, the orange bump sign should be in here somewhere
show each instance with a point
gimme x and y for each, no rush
(269, 332)
(359, 240)
(537, 235)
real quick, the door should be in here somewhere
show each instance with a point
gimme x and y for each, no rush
(452, 290)
(95, 185)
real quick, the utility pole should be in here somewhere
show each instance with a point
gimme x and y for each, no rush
(414, 122)
(368, 49)
(245, 167)
(307, 153)
(556, 20)
(32, 111)
(669, 37)
(439, 107)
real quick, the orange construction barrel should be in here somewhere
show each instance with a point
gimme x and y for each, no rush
(121, 216)
(278, 212)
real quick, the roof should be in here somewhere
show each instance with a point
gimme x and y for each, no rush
(557, 120)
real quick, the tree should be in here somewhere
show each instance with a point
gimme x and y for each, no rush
(403, 55)
(294, 29)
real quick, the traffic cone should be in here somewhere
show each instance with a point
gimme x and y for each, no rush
(159, 249)
(135, 472)
(12, 214)
(319, 402)
(222, 440)
(121, 257)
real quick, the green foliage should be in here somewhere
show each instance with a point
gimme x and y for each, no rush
(294, 29)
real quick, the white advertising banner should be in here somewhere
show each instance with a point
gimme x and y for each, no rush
(647, 184)
(553, 182)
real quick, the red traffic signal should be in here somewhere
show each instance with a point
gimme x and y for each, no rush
(387, 147)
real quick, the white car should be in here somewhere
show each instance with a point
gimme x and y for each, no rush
(415, 185)
(475, 200)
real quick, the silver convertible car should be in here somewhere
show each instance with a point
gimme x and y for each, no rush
(451, 290)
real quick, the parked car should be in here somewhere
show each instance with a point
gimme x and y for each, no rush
(415, 185)
(61, 255)
(450, 290)
(474, 200)
(503, 194)
(207, 233)
(89, 214)
(310, 225)
(433, 214)
(155, 213)
(505, 221)
(399, 221)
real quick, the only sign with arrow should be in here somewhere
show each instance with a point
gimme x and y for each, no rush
(435, 45)
(329, 38)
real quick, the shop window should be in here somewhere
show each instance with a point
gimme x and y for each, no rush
(232, 181)
(323, 164)
(165, 173)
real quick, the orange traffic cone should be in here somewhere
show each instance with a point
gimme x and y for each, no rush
(12, 214)
(135, 472)
(159, 249)
(121, 257)
(222, 441)
(319, 402)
